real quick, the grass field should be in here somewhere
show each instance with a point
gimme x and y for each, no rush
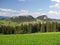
(52, 38)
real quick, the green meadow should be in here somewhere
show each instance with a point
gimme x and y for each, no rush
(52, 38)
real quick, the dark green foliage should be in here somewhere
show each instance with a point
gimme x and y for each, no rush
(48, 27)
(54, 26)
(43, 17)
(28, 24)
(22, 19)
(42, 27)
(28, 18)
(30, 28)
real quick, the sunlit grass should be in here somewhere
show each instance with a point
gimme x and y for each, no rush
(52, 38)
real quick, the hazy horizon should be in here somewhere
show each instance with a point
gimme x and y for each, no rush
(35, 8)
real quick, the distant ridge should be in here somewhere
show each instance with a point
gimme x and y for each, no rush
(42, 17)
(28, 18)
(22, 18)
(3, 17)
(45, 18)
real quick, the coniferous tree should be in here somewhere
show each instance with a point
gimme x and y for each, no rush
(48, 27)
(54, 26)
(42, 27)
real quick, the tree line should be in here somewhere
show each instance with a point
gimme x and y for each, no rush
(30, 28)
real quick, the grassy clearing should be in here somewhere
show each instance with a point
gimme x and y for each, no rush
(31, 39)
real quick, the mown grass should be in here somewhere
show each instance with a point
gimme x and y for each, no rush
(31, 39)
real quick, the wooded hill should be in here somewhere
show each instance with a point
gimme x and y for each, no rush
(29, 18)
(30, 28)
(28, 24)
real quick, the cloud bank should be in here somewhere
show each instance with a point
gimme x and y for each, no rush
(22, 12)
(56, 5)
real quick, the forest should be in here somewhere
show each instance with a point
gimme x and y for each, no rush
(24, 28)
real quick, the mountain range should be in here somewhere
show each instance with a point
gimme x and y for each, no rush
(27, 18)
(3, 17)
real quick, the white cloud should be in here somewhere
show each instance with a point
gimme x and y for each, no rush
(56, 1)
(22, 12)
(7, 10)
(27, 12)
(51, 13)
(4, 14)
(57, 5)
(54, 14)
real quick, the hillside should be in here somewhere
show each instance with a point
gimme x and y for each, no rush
(43, 17)
(3, 17)
(28, 18)
(22, 18)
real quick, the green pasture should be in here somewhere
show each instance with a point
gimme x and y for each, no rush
(52, 38)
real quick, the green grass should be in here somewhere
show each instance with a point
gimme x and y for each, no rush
(31, 39)
(4, 22)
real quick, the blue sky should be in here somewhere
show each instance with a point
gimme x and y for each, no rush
(32, 5)
(51, 8)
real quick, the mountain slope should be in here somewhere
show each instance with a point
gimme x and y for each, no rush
(3, 17)
(43, 17)
(29, 18)
(22, 18)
